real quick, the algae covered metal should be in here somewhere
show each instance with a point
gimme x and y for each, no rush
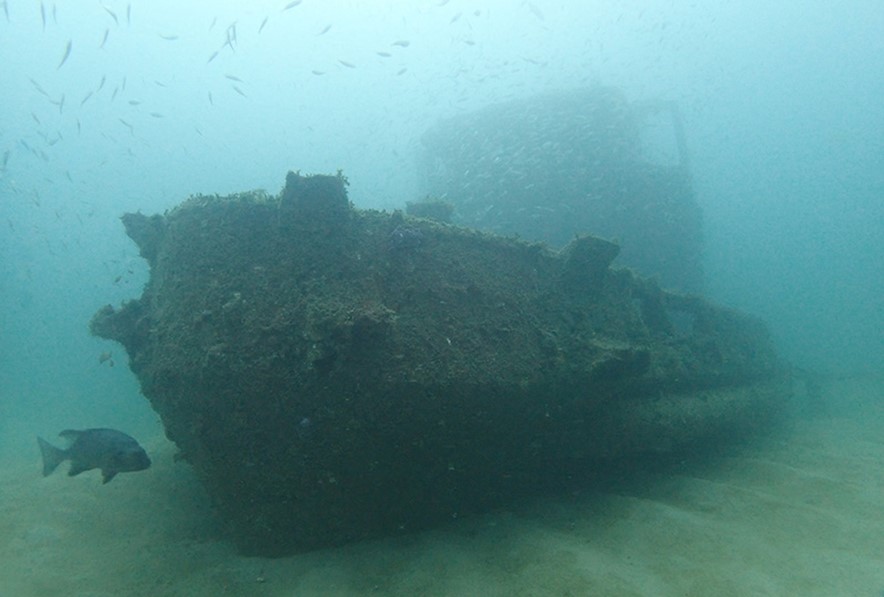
(333, 373)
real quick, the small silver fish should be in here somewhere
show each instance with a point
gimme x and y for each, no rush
(112, 14)
(67, 53)
(59, 103)
(39, 89)
(535, 11)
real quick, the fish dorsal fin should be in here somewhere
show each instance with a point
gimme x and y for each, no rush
(70, 434)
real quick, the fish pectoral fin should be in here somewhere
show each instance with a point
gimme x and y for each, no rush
(106, 476)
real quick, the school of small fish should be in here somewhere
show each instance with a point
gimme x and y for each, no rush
(75, 95)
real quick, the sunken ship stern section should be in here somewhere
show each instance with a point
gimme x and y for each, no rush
(334, 374)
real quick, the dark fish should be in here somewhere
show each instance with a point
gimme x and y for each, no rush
(110, 450)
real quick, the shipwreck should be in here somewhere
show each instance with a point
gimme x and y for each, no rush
(333, 374)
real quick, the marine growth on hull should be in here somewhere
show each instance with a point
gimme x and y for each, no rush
(334, 373)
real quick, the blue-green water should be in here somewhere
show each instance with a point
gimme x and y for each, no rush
(154, 102)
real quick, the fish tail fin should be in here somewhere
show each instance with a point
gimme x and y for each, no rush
(52, 456)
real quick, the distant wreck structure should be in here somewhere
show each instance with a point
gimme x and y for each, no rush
(556, 165)
(334, 374)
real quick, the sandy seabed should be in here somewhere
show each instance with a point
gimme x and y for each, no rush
(798, 512)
